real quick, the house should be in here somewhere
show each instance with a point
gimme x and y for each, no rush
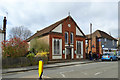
(66, 40)
(101, 42)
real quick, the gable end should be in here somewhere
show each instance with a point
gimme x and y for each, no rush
(58, 29)
(78, 32)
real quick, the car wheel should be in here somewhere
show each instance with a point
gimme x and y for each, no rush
(111, 59)
(117, 59)
(101, 60)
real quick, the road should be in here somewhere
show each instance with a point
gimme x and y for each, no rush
(105, 69)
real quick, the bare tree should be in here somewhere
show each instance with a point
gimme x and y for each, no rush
(20, 32)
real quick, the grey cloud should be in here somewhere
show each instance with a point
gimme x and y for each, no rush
(36, 15)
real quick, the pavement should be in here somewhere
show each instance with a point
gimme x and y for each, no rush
(23, 69)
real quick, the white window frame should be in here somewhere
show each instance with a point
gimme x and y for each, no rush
(81, 54)
(105, 39)
(56, 47)
(72, 37)
(77, 47)
(67, 38)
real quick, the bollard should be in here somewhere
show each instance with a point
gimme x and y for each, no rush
(40, 69)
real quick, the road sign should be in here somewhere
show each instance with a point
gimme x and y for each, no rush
(40, 69)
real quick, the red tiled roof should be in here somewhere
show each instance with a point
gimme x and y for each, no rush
(50, 28)
(100, 34)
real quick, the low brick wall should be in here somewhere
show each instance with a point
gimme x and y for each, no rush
(22, 61)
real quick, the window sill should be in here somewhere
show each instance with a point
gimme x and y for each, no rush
(56, 55)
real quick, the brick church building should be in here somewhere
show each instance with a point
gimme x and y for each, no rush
(65, 38)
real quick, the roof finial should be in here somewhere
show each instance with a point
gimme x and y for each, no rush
(69, 13)
(110, 33)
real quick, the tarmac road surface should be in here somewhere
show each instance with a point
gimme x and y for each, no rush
(106, 69)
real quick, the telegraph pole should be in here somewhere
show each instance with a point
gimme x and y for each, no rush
(4, 27)
(91, 35)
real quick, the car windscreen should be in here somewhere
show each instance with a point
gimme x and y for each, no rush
(111, 54)
(106, 54)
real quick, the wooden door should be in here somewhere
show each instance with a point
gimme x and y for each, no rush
(68, 53)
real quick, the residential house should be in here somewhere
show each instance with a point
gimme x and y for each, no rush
(66, 40)
(101, 42)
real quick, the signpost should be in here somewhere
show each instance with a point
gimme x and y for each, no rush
(40, 69)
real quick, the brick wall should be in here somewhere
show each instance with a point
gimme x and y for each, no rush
(65, 28)
(45, 38)
(97, 46)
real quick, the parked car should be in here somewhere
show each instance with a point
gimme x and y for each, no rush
(118, 54)
(109, 56)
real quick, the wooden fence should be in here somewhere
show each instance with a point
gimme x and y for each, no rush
(22, 61)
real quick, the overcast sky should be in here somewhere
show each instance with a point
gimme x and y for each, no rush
(36, 14)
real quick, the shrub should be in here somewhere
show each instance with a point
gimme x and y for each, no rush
(15, 47)
(42, 54)
(31, 55)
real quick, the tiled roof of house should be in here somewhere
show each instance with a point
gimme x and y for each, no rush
(50, 28)
(100, 34)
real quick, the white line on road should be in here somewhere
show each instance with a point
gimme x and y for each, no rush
(97, 73)
(45, 76)
(62, 73)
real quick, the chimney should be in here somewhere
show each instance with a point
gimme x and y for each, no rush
(4, 27)
(91, 35)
